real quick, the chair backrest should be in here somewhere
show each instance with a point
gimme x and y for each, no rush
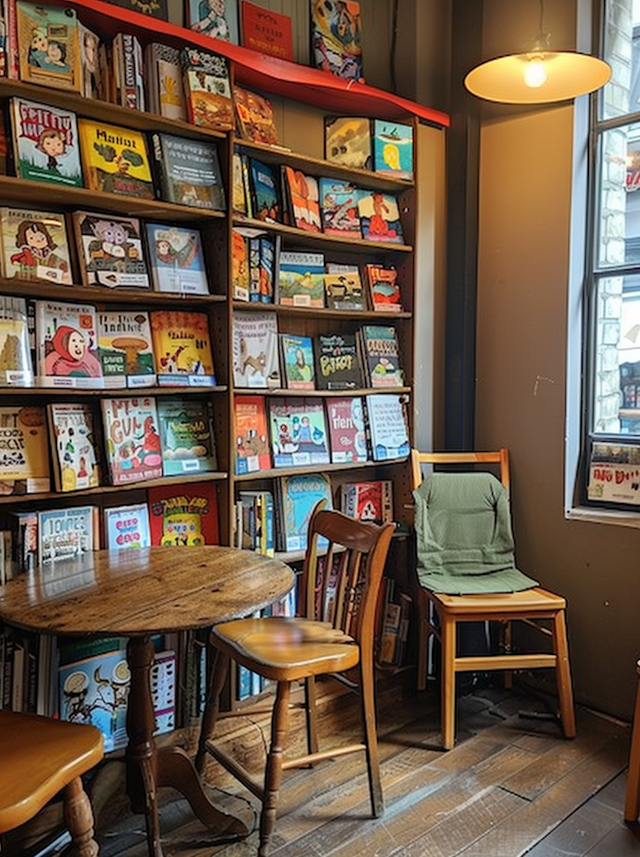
(499, 457)
(341, 586)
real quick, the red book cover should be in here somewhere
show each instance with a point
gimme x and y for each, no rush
(369, 501)
(251, 433)
(184, 514)
(345, 419)
(267, 31)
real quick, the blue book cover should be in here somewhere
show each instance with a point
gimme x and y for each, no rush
(393, 148)
(299, 497)
(301, 279)
(265, 183)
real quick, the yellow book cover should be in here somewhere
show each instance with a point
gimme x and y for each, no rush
(182, 348)
(115, 159)
(24, 450)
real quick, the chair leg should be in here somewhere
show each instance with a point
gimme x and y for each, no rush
(563, 676)
(632, 798)
(448, 679)
(78, 816)
(212, 706)
(368, 705)
(423, 641)
(310, 697)
(273, 771)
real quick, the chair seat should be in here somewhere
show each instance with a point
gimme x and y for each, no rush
(39, 756)
(502, 605)
(287, 649)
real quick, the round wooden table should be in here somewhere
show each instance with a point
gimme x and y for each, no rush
(136, 594)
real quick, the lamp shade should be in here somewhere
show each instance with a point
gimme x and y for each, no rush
(538, 77)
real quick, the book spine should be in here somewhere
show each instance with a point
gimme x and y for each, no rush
(13, 55)
(129, 95)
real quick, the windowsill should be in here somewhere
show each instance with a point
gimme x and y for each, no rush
(603, 516)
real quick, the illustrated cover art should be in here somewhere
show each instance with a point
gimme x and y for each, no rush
(304, 205)
(67, 345)
(165, 86)
(110, 250)
(115, 159)
(184, 514)
(177, 259)
(240, 278)
(65, 533)
(127, 527)
(301, 279)
(393, 148)
(132, 440)
(124, 346)
(339, 208)
(189, 171)
(387, 419)
(266, 203)
(297, 361)
(74, 447)
(182, 348)
(335, 37)
(344, 291)
(368, 501)
(384, 290)
(254, 117)
(299, 495)
(347, 141)
(186, 435)
(207, 88)
(337, 363)
(215, 18)
(345, 418)
(254, 342)
(379, 216)
(267, 31)
(35, 246)
(24, 458)
(46, 145)
(252, 452)
(381, 355)
(298, 431)
(48, 45)
(16, 367)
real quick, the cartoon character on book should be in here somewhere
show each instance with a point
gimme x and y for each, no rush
(307, 437)
(337, 215)
(111, 249)
(52, 143)
(211, 19)
(70, 354)
(108, 694)
(174, 255)
(36, 246)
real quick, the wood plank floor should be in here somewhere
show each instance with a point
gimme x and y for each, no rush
(511, 786)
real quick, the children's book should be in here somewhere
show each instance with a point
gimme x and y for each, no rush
(339, 208)
(240, 275)
(337, 362)
(186, 435)
(24, 459)
(335, 37)
(65, 533)
(238, 197)
(184, 514)
(297, 361)
(255, 350)
(132, 441)
(124, 346)
(255, 513)
(67, 345)
(345, 419)
(298, 497)
(45, 143)
(16, 367)
(177, 259)
(254, 117)
(35, 246)
(165, 90)
(267, 31)
(115, 159)
(268, 256)
(74, 446)
(48, 45)
(384, 291)
(252, 452)
(393, 148)
(92, 85)
(387, 421)
(207, 88)
(298, 430)
(303, 200)
(368, 501)
(380, 354)
(347, 141)
(266, 202)
(110, 250)
(215, 18)
(182, 348)
(301, 279)
(379, 216)
(127, 527)
(344, 291)
(128, 71)
(188, 171)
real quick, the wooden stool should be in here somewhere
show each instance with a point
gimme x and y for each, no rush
(632, 801)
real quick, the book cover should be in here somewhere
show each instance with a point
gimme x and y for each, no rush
(48, 45)
(207, 88)
(299, 495)
(344, 291)
(384, 291)
(215, 18)
(339, 208)
(165, 89)
(46, 147)
(337, 362)
(240, 278)
(24, 455)
(115, 159)
(381, 355)
(186, 436)
(182, 348)
(379, 216)
(74, 446)
(67, 345)
(252, 452)
(35, 246)
(614, 473)
(393, 148)
(127, 527)
(254, 117)
(16, 367)
(92, 85)
(110, 250)
(336, 37)
(345, 419)
(188, 171)
(255, 512)
(128, 71)
(347, 141)
(387, 421)
(298, 431)
(65, 533)
(301, 279)
(124, 346)
(184, 514)
(132, 441)
(238, 197)
(368, 501)
(177, 259)
(255, 350)
(155, 8)
(266, 203)
(269, 253)
(297, 361)
(303, 200)
(267, 31)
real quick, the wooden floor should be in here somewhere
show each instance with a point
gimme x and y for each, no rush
(511, 786)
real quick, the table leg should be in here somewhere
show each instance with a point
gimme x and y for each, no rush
(148, 767)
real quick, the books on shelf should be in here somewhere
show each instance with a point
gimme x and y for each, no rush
(238, 192)
(368, 501)
(303, 201)
(254, 117)
(45, 143)
(74, 446)
(347, 141)
(345, 419)
(264, 190)
(337, 362)
(339, 208)
(216, 19)
(124, 346)
(297, 361)
(165, 89)
(251, 435)
(207, 88)
(392, 148)
(177, 259)
(301, 279)
(380, 355)
(379, 216)
(67, 345)
(34, 246)
(23, 526)
(16, 365)
(110, 250)
(128, 71)
(65, 533)
(240, 278)
(383, 288)
(188, 171)
(91, 82)
(254, 346)
(298, 431)
(343, 288)
(48, 45)
(255, 522)
(267, 31)
(386, 415)
(184, 514)
(24, 459)
(182, 348)
(127, 527)
(132, 442)
(336, 38)
(297, 497)
(115, 159)
(186, 435)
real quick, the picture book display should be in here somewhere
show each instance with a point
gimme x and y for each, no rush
(298, 430)
(335, 37)
(252, 450)
(65, 533)
(303, 200)
(254, 344)
(46, 147)
(110, 250)
(74, 446)
(368, 501)
(164, 81)
(115, 159)
(254, 117)
(182, 348)
(186, 435)
(297, 361)
(127, 527)
(392, 148)
(35, 246)
(298, 496)
(67, 345)
(177, 259)
(215, 18)
(301, 279)
(132, 440)
(188, 171)
(255, 512)
(387, 422)
(345, 419)
(124, 346)
(384, 290)
(379, 216)
(207, 88)
(267, 31)
(380, 353)
(339, 208)
(347, 141)
(24, 460)
(614, 473)
(337, 362)
(48, 45)
(184, 514)
(343, 291)
(16, 365)
(266, 203)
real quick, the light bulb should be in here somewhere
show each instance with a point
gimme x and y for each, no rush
(535, 74)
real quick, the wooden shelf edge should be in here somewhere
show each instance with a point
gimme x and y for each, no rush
(313, 468)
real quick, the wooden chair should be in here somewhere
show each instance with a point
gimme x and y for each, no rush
(40, 757)
(334, 635)
(538, 607)
(632, 799)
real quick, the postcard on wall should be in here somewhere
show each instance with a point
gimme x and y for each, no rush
(215, 18)
(45, 143)
(177, 259)
(110, 250)
(336, 37)
(35, 246)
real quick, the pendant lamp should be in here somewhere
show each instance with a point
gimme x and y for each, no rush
(539, 76)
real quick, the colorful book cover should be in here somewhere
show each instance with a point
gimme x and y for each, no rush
(384, 291)
(298, 430)
(393, 148)
(345, 419)
(67, 345)
(337, 363)
(240, 278)
(336, 37)
(269, 252)
(128, 71)
(124, 346)
(16, 367)
(74, 446)
(379, 216)
(48, 45)
(297, 361)
(215, 18)
(339, 208)
(127, 527)
(267, 31)
(132, 441)
(254, 117)
(182, 348)
(207, 88)
(115, 159)
(24, 457)
(177, 259)
(303, 200)
(347, 141)
(252, 452)
(299, 496)
(166, 89)
(368, 501)
(255, 513)
(301, 279)
(188, 171)
(381, 355)
(344, 291)
(184, 514)
(65, 533)
(35, 246)
(614, 473)
(387, 421)
(186, 435)
(46, 143)
(110, 250)
(266, 203)
(238, 197)
(254, 344)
